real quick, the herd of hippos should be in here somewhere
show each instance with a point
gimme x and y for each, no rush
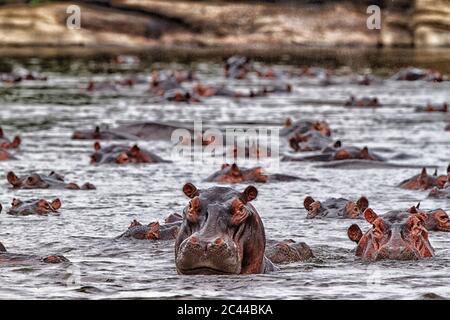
(219, 230)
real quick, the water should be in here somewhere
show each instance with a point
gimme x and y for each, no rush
(46, 113)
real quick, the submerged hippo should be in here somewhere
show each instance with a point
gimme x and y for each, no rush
(237, 67)
(148, 130)
(288, 251)
(414, 74)
(311, 141)
(362, 102)
(152, 231)
(38, 207)
(424, 181)
(339, 154)
(40, 181)
(234, 174)
(397, 235)
(20, 259)
(335, 208)
(303, 126)
(221, 233)
(217, 91)
(6, 143)
(443, 193)
(122, 154)
(434, 108)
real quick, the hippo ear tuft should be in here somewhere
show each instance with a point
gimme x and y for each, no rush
(190, 190)
(362, 203)
(354, 233)
(250, 193)
(370, 215)
(307, 202)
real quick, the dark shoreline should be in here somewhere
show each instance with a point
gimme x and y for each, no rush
(354, 57)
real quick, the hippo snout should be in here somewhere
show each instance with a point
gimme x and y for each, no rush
(200, 255)
(397, 253)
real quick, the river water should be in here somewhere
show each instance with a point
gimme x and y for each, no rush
(46, 113)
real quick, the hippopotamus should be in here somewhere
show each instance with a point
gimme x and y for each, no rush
(424, 181)
(148, 130)
(443, 193)
(434, 108)
(278, 88)
(397, 235)
(122, 154)
(435, 220)
(6, 143)
(41, 181)
(414, 74)
(152, 231)
(363, 102)
(21, 259)
(237, 67)
(310, 141)
(221, 233)
(180, 95)
(217, 91)
(234, 174)
(339, 154)
(35, 206)
(335, 208)
(288, 251)
(303, 126)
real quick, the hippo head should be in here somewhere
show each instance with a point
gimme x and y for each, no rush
(88, 134)
(353, 153)
(32, 181)
(437, 220)
(40, 206)
(234, 174)
(424, 181)
(221, 233)
(396, 235)
(125, 155)
(352, 210)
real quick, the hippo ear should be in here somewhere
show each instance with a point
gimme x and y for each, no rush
(235, 169)
(250, 193)
(190, 190)
(97, 146)
(362, 203)
(354, 233)
(337, 144)
(370, 215)
(56, 204)
(365, 152)
(13, 179)
(424, 173)
(413, 210)
(307, 202)
(135, 150)
(97, 129)
(448, 169)
(288, 122)
(1, 132)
